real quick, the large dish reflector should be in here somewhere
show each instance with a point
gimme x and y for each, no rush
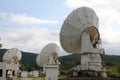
(76, 23)
(12, 55)
(44, 57)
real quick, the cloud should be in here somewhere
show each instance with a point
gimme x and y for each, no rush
(79, 3)
(76, 3)
(3, 16)
(29, 40)
(110, 37)
(28, 20)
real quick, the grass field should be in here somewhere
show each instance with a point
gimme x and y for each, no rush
(39, 78)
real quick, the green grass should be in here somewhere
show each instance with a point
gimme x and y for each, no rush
(18, 79)
(39, 78)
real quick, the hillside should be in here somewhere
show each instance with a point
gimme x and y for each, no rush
(110, 62)
(28, 62)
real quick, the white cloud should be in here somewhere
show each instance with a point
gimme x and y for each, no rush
(3, 16)
(24, 19)
(110, 37)
(76, 3)
(32, 40)
(79, 3)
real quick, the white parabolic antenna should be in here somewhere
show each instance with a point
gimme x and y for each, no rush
(80, 20)
(79, 34)
(12, 55)
(44, 57)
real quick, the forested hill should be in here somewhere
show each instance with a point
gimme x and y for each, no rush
(110, 62)
(74, 59)
(28, 62)
(28, 58)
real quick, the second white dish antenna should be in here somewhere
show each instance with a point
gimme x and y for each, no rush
(48, 55)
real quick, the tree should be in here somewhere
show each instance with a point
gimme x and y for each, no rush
(0, 43)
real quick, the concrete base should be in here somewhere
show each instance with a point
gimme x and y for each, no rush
(24, 74)
(8, 71)
(91, 62)
(51, 72)
(35, 73)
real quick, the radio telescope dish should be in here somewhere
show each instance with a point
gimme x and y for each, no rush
(79, 34)
(13, 55)
(49, 50)
(80, 20)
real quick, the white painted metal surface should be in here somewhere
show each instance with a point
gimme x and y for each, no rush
(48, 55)
(13, 55)
(80, 20)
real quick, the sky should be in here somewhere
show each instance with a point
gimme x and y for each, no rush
(29, 25)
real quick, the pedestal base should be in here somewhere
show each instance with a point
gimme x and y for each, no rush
(8, 71)
(91, 62)
(52, 72)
